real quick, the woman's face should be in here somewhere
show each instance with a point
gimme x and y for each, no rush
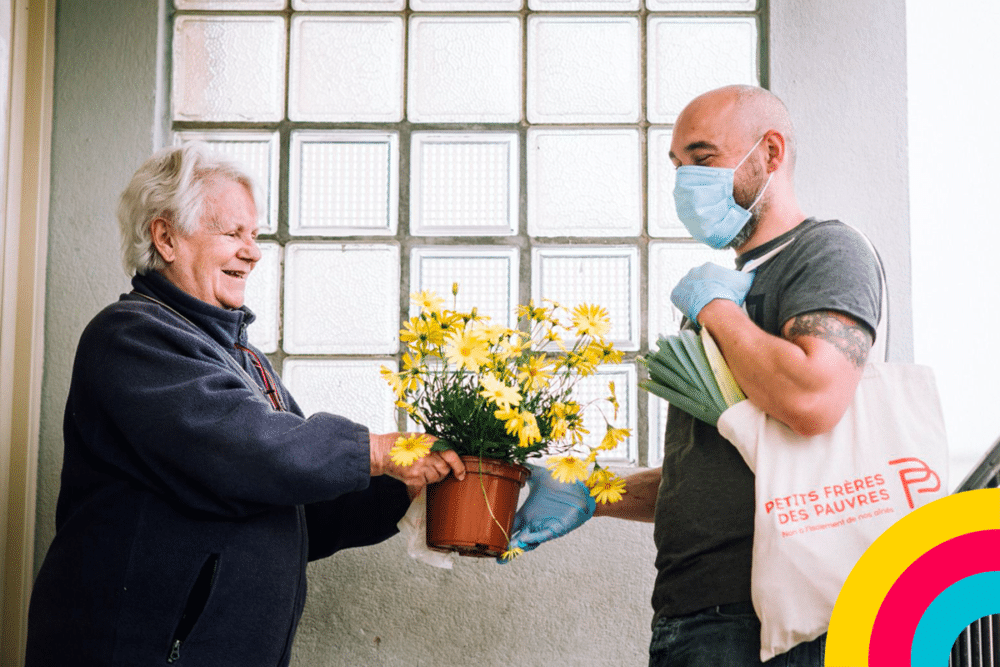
(213, 263)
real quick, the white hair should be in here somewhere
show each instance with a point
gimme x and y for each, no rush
(171, 185)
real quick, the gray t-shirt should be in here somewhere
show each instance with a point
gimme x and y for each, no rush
(705, 506)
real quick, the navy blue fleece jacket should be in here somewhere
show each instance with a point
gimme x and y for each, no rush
(188, 505)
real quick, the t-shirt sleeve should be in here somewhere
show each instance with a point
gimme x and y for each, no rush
(831, 268)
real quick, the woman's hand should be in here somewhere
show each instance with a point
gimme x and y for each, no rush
(431, 468)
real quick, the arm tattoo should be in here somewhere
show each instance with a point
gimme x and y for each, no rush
(851, 339)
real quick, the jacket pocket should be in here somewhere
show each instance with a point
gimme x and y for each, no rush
(196, 601)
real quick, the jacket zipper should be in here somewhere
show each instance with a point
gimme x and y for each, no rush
(196, 602)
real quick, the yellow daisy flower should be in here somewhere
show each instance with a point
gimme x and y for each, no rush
(511, 418)
(592, 320)
(408, 450)
(531, 312)
(612, 437)
(494, 333)
(512, 553)
(392, 378)
(613, 397)
(605, 486)
(414, 331)
(529, 433)
(427, 301)
(444, 324)
(403, 405)
(465, 349)
(558, 429)
(498, 392)
(609, 355)
(535, 373)
(568, 468)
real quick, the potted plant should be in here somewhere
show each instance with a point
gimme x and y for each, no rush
(499, 396)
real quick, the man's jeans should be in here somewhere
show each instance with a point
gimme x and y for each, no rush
(723, 636)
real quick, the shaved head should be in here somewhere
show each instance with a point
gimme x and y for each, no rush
(755, 110)
(747, 111)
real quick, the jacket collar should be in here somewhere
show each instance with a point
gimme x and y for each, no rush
(227, 326)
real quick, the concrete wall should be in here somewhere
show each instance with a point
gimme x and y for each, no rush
(584, 599)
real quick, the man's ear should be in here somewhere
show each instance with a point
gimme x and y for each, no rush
(164, 239)
(774, 144)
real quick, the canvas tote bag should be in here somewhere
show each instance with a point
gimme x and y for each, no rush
(822, 500)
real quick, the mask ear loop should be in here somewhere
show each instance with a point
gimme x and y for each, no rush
(770, 176)
(761, 193)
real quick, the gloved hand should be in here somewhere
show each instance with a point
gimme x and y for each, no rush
(707, 283)
(551, 510)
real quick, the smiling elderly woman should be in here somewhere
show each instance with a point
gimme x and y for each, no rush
(193, 488)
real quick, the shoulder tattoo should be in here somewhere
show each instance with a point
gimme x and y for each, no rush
(843, 333)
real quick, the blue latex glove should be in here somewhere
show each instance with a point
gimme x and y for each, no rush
(551, 510)
(706, 283)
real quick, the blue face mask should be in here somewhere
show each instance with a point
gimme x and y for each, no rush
(704, 200)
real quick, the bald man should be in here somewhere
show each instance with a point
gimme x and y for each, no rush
(797, 349)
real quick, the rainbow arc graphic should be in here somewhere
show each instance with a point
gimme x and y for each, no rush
(928, 577)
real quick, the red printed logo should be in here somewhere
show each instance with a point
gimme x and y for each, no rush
(916, 473)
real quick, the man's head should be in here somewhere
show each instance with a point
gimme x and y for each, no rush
(748, 129)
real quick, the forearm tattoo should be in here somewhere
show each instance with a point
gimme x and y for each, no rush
(851, 339)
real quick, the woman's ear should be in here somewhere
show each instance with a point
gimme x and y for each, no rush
(163, 239)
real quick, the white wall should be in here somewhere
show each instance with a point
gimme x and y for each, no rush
(954, 166)
(840, 67)
(584, 599)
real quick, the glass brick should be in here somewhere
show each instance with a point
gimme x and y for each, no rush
(668, 263)
(687, 57)
(348, 5)
(583, 69)
(346, 69)
(349, 388)
(591, 392)
(487, 279)
(341, 298)
(229, 68)
(344, 183)
(663, 220)
(464, 69)
(701, 5)
(584, 182)
(584, 5)
(257, 153)
(466, 5)
(606, 276)
(229, 5)
(262, 297)
(464, 184)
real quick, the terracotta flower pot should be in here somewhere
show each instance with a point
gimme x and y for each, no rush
(459, 516)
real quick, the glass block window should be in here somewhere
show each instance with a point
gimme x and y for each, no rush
(487, 276)
(516, 147)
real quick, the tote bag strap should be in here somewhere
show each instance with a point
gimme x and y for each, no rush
(880, 348)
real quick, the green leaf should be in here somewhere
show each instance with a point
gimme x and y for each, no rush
(696, 352)
(665, 375)
(694, 408)
(681, 354)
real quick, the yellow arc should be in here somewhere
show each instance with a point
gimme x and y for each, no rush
(889, 556)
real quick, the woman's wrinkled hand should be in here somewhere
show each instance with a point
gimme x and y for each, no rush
(431, 468)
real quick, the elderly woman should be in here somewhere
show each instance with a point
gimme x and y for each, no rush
(194, 490)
